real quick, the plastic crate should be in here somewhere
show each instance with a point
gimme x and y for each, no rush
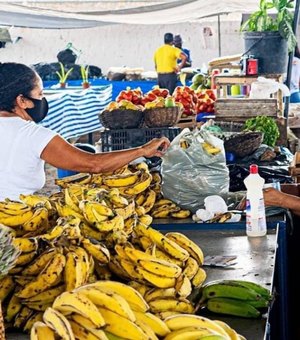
(129, 138)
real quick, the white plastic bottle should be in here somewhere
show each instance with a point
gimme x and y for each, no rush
(255, 208)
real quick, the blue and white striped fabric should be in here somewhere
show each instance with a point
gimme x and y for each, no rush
(75, 113)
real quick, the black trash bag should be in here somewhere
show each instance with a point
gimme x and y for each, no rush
(66, 56)
(271, 174)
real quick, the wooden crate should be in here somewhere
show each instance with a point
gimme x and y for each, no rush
(188, 122)
(240, 109)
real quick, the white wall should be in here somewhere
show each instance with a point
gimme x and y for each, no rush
(120, 45)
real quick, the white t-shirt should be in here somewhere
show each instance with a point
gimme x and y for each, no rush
(21, 168)
(295, 76)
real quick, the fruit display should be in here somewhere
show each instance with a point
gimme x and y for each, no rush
(111, 310)
(91, 266)
(206, 99)
(235, 297)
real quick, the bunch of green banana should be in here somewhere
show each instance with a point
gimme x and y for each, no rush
(235, 297)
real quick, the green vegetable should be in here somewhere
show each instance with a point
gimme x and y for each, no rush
(264, 124)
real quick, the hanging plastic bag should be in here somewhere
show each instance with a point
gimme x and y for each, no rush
(193, 168)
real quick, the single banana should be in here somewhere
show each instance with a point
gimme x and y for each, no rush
(156, 324)
(13, 308)
(73, 302)
(132, 296)
(162, 242)
(176, 322)
(26, 245)
(71, 200)
(140, 287)
(59, 323)
(81, 320)
(131, 270)
(39, 220)
(140, 198)
(156, 178)
(112, 301)
(162, 201)
(46, 278)
(35, 317)
(48, 296)
(228, 290)
(86, 260)
(199, 278)
(80, 178)
(191, 247)
(171, 304)
(140, 211)
(264, 292)
(191, 333)
(181, 214)
(10, 207)
(38, 306)
(156, 280)
(159, 293)
(40, 331)
(149, 200)
(23, 280)
(191, 268)
(6, 286)
(152, 264)
(121, 180)
(97, 250)
(90, 232)
(118, 201)
(234, 307)
(146, 219)
(183, 286)
(230, 331)
(160, 254)
(116, 223)
(146, 329)
(25, 258)
(65, 210)
(122, 327)
(16, 220)
(141, 185)
(35, 200)
(40, 262)
(127, 211)
(22, 317)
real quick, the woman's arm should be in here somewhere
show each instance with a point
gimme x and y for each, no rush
(62, 154)
(277, 198)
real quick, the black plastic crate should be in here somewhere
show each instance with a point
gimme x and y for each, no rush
(129, 138)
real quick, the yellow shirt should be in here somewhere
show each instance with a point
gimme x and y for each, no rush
(165, 58)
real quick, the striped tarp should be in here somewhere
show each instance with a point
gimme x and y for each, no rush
(75, 113)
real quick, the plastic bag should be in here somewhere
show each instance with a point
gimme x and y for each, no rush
(263, 88)
(189, 175)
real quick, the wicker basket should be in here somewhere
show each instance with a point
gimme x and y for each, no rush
(243, 144)
(121, 119)
(162, 116)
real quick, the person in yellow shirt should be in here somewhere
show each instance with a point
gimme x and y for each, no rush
(165, 60)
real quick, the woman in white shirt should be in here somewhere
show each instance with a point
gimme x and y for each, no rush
(295, 78)
(26, 146)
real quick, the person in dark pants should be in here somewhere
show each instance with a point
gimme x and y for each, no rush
(165, 60)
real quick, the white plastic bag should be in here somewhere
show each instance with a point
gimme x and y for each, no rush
(189, 175)
(263, 88)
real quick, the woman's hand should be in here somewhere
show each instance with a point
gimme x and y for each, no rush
(273, 197)
(156, 147)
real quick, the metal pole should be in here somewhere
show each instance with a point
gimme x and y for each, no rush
(290, 62)
(219, 35)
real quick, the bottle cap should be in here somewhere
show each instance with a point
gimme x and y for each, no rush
(253, 169)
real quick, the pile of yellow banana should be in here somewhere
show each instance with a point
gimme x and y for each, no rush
(111, 310)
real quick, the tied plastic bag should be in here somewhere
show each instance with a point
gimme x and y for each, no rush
(263, 88)
(193, 172)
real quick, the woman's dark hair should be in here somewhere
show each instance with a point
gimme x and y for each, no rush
(15, 79)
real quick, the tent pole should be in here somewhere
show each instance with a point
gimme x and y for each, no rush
(219, 36)
(290, 62)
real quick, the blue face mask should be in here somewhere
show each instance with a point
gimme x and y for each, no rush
(40, 109)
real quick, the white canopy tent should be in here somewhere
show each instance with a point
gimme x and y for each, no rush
(169, 13)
